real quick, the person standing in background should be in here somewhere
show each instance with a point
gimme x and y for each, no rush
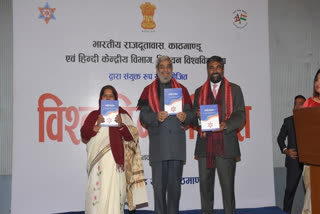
(293, 166)
(313, 101)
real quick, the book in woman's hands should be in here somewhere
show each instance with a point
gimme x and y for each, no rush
(109, 110)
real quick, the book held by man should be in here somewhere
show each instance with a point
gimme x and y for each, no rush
(173, 100)
(109, 110)
(209, 116)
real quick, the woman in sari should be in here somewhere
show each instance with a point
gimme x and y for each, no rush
(115, 171)
(313, 101)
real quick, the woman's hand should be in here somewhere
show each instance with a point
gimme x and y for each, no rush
(118, 119)
(96, 128)
(100, 120)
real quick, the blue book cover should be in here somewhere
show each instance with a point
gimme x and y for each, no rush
(209, 116)
(173, 100)
(109, 110)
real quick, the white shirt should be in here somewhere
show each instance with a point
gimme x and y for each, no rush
(217, 90)
(217, 86)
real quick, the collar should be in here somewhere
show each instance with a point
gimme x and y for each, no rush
(218, 85)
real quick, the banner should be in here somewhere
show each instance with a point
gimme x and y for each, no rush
(66, 51)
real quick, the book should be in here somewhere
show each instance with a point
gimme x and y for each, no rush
(109, 110)
(209, 116)
(173, 100)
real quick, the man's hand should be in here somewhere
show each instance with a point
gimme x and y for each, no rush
(223, 125)
(291, 153)
(198, 113)
(162, 115)
(182, 116)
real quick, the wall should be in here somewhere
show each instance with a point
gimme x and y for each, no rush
(294, 59)
(6, 61)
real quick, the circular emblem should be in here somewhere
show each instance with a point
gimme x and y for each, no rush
(240, 18)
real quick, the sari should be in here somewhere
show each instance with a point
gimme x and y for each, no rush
(108, 184)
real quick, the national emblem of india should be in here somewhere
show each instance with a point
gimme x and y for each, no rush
(147, 10)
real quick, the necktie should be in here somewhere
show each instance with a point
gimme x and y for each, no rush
(214, 90)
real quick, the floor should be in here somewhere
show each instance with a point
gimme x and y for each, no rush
(279, 173)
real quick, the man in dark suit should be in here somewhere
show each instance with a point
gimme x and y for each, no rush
(294, 167)
(167, 148)
(220, 149)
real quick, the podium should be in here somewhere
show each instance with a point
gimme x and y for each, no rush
(307, 127)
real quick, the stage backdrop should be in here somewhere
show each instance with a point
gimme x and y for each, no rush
(65, 51)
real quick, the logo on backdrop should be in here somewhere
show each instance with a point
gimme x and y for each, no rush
(240, 18)
(147, 10)
(47, 13)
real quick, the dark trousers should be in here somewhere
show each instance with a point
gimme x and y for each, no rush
(166, 181)
(294, 171)
(226, 168)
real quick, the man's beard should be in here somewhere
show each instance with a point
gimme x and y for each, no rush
(164, 79)
(217, 79)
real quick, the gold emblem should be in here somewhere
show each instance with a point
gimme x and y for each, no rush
(147, 10)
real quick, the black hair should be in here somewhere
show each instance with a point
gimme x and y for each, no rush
(216, 59)
(315, 93)
(299, 96)
(114, 92)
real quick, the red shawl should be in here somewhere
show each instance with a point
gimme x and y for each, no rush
(150, 95)
(114, 133)
(215, 145)
(204, 96)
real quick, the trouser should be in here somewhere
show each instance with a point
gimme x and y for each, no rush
(307, 208)
(294, 172)
(226, 168)
(166, 181)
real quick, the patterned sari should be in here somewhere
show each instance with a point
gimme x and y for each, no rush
(107, 183)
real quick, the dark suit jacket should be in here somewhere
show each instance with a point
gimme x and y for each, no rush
(287, 130)
(167, 138)
(236, 120)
